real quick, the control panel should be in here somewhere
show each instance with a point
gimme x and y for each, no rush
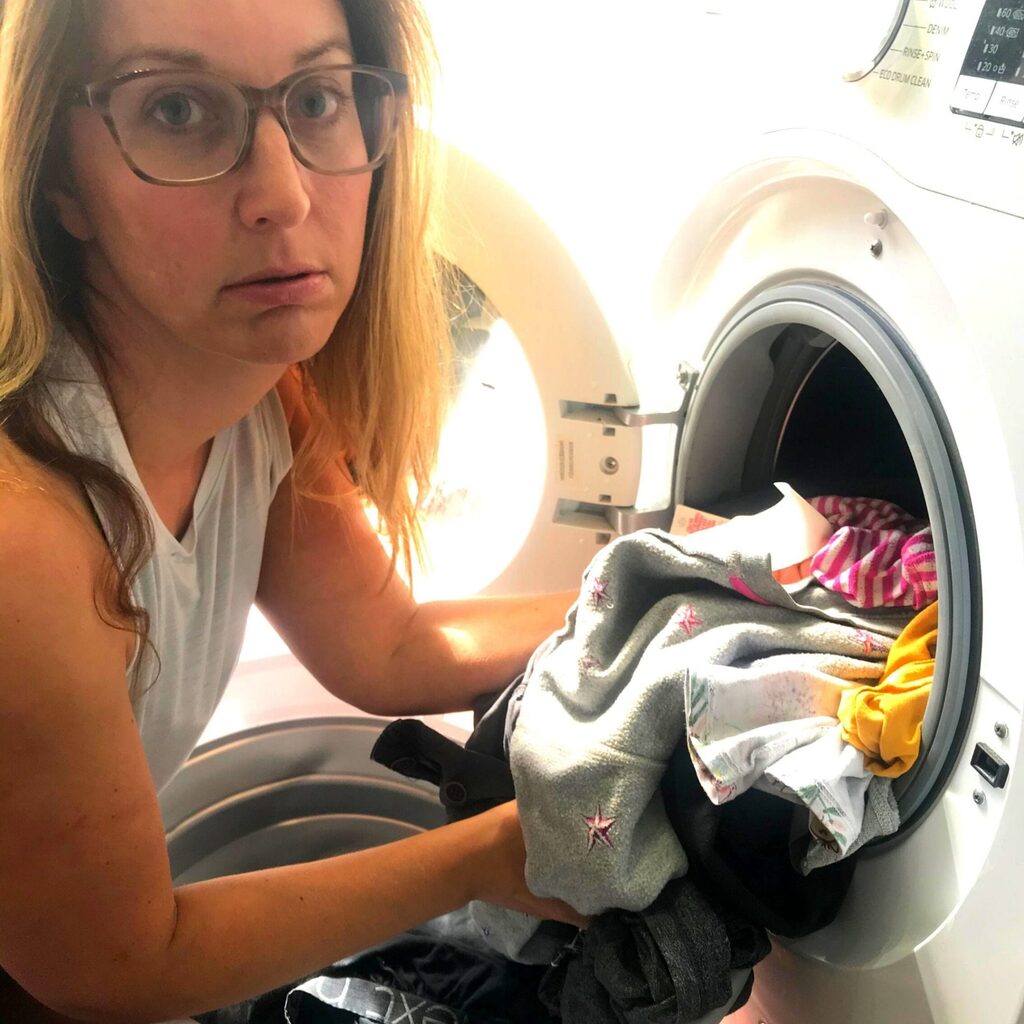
(923, 44)
(991, 82)
(933, 88)
(944, 102)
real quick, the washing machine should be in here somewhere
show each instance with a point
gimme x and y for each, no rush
(710, 246)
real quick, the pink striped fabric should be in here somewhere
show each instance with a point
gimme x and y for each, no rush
(878, 556)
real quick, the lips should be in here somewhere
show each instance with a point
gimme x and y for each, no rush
(281, 286)
(274, 275)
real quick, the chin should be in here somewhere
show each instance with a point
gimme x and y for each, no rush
(285, 335)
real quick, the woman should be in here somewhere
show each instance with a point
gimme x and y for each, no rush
(212, 257)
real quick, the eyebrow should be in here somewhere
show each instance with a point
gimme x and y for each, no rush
(315, 52)
(195, 61)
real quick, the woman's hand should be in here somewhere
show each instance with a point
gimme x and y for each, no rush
(502, 870)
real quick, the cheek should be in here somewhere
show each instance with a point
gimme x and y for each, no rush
(340, 208)
(162, 241)
(151, 236)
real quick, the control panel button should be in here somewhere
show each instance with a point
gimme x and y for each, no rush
(972, 94)
(1007, 102)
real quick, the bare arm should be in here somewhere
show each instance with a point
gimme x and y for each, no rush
(90, 923)
(281, 923)
(453, 651)
(322, 586)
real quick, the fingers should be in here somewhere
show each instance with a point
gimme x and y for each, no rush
(507, 868)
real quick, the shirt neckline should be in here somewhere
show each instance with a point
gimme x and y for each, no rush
(212, 472)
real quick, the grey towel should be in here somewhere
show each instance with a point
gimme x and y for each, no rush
(605, 702)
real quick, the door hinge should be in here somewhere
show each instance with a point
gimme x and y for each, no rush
(598, 453)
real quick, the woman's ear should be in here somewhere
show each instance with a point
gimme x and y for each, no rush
(70, 213)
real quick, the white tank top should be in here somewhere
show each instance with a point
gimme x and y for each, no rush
(199, 590)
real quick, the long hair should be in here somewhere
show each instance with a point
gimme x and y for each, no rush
(375, 391)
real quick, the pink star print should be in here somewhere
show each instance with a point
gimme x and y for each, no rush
(866, 639)
(598, 592)
(598, 827)
(689, 621)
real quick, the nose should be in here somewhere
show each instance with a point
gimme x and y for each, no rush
(272, 189)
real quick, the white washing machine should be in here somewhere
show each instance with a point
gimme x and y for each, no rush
(734, 242)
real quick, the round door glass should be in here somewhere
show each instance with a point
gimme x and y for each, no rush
(490, 472)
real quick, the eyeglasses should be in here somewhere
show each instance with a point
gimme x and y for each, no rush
(184, 127)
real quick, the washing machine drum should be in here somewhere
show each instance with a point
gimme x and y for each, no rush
(810, 385)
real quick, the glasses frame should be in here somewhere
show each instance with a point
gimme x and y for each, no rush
(96, 95)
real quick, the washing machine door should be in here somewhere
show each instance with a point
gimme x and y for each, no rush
(285, 793)
(551, 427)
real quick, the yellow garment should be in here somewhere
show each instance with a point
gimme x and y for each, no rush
(884, 721)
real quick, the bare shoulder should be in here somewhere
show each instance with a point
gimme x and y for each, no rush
(52, 553)
(43, 519)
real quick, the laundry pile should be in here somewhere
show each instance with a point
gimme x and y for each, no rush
(697, 755)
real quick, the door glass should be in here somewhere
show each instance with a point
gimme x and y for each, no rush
(492, 462)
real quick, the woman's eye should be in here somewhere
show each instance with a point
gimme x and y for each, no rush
(319, 103)
(177, 110)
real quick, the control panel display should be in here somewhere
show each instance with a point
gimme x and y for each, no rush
(991, 83)
(997, 48)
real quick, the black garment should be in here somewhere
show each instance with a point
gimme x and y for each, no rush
(739, 853)
(415, 980)
(468, 782)
(668, 964)
(355, 1001)
(468, 985)
(494, 719)
(266, 1009)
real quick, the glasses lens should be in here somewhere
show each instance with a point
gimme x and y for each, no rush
(179, 125)
(341, 120)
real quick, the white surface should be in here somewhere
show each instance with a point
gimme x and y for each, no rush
(791, 531)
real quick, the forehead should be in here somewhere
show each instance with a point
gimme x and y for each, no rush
(255, 41)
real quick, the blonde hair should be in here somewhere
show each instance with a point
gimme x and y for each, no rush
(375, 391)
